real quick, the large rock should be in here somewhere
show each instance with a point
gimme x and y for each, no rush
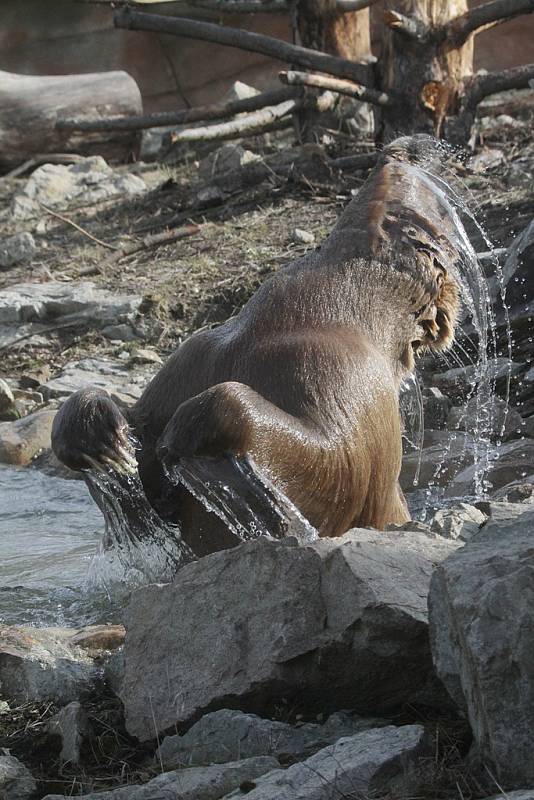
(354, 767)
(457, 383)
(340, 622)
(444, 454)
(49, 302)
(196, 783)
(17, 249)
(72, 726)
(510, 462)
(16, 781)
(103, 372)
(227, 735)
(482, 634)
(24, 438)
(58, 186)
(49, 664)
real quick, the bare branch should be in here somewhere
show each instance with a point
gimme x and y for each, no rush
(480, 86)
(241, 6)
(353, 5)
(493, 82)
(251, 124)
(458, 30)
(411, 27)
(182, 117)
(247, 125)
(350, 88)
(245, 40)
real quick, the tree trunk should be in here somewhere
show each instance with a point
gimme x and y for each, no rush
(30, 106)
(321, 26)
(421, 67)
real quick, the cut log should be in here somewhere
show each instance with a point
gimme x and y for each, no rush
(350, 88)
(30, 106)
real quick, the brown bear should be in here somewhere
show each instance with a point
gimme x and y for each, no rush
(302, 386)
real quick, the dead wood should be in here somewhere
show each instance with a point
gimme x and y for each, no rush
(31, 104)
(458, 30)
(43, 158)
(350, 88)
(160, 119)
(244, 40)
(412, 27)
(148, 243)
(480, 86)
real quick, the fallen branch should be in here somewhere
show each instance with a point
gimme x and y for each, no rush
(353, 5)
(251, 124)
(77, 227)
(183, 117)
(242, 6)
(244, 40)
(150, 242)
(458, 30)
(350, 88)
(411, 27)
(480, 86)
(44, 158)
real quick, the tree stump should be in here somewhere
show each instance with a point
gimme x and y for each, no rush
(30, 106)
(320, 25)
(422, 66)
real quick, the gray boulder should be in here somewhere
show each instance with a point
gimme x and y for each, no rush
(50, 302)
(498, 420)
(482, 636)
(458, 522)
(72, 725)
(16, 781)
(457, 383)
(509, 462)
(225, 158)
(227, 735)
(354, 767)
(48, 664)
(340, 621)
(58, 186)
(103, 372)
(23, 439)
(196, 783)
(17, 249)
(443, 456)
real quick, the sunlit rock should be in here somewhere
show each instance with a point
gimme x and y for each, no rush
(482, 635)
(340, 622)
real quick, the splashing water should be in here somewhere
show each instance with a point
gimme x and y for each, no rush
(253, 506)
(138, 547)
(476, 300)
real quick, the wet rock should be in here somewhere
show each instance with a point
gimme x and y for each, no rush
(267, 619)
(58, 186)
(8, 409)
(357, 766)
(481, 602)
(499, 420)
(17, 249)
(225, 158)
(521, 491)
(16, 781)
(459, 522)
(518, 275)
(53, 302)
(72, 725)
(520, 794)
(99, 639)
(45, 664)
(437, 407)
(459, 382)
(443, 456)
(303, 237)
(195, 783)
(23, 439)
(511, 461)
(487, 159)
(103, 372)
(227, 735)
(500, 511)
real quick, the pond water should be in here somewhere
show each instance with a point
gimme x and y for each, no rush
(50, 530)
